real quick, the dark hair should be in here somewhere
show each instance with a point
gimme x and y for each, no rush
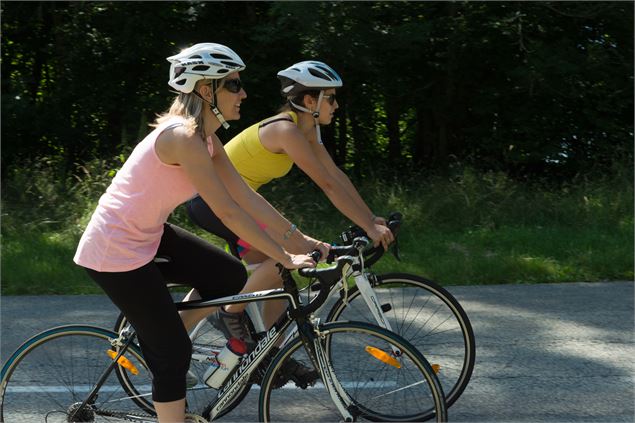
(299, 100)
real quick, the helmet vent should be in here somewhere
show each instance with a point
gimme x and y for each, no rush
(229, 63)
(200, 68)
(222, 71)
(318, 74)
(220, 56)
(181, 81)
(196, 56)
(178, 71)
(327, 71)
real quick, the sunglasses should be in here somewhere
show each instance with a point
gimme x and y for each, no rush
(233, 85)
(331, 98)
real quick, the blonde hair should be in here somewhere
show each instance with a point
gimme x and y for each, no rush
(188, 106)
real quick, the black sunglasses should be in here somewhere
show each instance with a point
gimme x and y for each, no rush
(233, 85)
(331, 98)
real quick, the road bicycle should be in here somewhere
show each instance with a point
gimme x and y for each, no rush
(83, 373)
(418, 309)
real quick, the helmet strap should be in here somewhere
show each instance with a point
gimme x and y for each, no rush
(315, 114)
(212, 105)
(219, 116)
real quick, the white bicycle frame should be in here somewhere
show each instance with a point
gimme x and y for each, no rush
(363, 284)
(365, 289)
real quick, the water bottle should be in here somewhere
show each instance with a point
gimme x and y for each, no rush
(228, 358)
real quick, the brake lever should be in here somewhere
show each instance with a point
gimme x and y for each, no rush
(395, 249)
(395, 224)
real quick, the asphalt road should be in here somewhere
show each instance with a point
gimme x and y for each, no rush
(545, 352)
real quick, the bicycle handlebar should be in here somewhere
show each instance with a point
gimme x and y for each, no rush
(344, 255)
(353, 236)
(328, 277)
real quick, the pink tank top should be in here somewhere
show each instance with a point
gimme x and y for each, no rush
(125, 230)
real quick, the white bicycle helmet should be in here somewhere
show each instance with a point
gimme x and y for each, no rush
(306, 76)
(202, 61)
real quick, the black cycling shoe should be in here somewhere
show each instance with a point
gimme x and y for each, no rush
(296, 371)
(291, 370)
(302, 375)
(233, 325)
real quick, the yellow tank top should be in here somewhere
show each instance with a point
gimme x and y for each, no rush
(254, 163)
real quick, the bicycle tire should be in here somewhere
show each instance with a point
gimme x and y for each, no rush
(429, 317)
(369, 383)
(205, 339)
(54, 371)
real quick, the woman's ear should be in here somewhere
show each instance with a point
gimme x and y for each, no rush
(205, 91)
(309, 102)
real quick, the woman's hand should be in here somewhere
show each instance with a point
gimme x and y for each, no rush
(298, 261)
(320, 246)
(381, 234)
(378, 220)
(300, 243)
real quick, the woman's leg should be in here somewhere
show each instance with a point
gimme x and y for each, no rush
(170, 412)
(197, 263)
(143, 297)
(266, 276)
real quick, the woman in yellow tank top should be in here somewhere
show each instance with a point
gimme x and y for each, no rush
(268, 149)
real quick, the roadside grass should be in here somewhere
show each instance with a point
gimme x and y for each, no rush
(466, 229)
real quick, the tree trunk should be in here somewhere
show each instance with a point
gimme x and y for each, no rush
(392, 125)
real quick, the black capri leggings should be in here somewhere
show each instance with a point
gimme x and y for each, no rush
(200, 213)
(143, 297)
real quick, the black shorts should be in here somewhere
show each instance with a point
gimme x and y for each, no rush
(143, 297)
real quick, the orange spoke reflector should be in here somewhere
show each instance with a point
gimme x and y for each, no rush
(124, 362)
(436, 368)
(382, 356)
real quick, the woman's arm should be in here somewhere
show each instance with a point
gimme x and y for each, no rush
(260, 209)
(179, 146)
(315, 161)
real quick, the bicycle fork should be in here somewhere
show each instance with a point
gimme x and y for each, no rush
(332, 385)
(370, 297)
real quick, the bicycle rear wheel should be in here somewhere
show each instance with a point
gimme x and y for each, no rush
(376, 387)
(52, 373)
(428, 316)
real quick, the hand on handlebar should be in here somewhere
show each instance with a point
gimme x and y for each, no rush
(381, 234)
(323, 248)
(312, 244)
(378, 220)
(298, 261)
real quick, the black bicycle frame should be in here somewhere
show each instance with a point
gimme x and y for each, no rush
(295, 313)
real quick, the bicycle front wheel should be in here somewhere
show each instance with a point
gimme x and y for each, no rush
(425, 314)
(52, 373)
(374, 384)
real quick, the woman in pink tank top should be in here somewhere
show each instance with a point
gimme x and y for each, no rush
(181, 157)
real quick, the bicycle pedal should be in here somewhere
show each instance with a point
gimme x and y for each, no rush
(386, 307)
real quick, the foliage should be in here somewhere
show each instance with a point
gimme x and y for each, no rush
(470, 228)
(503, 130)
(529, 88)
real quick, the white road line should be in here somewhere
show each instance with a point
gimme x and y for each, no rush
(147, 388)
